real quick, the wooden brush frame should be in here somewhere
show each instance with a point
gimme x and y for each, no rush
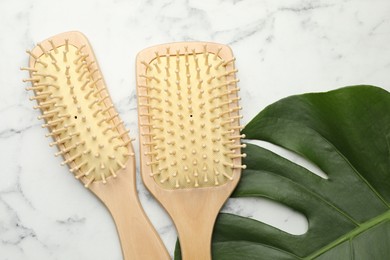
(193, 210)
(138, 238)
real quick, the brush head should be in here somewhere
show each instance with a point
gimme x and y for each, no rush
(189, 115)
(77, 109)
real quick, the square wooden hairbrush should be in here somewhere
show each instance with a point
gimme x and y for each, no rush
(189, 135)
(80, 116)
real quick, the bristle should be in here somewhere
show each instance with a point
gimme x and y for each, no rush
(81, 65)
(238, 155)
(93, 72)
(89, 65)
(157, 57)
(31, 80)
(70, 92)
(54, 63)
(42, 63)
(219, 64)
(150, 78)
(103, 177)
(227, 74)
(79, 49)
(208, 69)
(48, 114)
(98, 92)
(210, 79)
(71, 159)
(227, 176)
(66, 45)
(28, 69)
(53, 59)
(195, 118)
(111, 117)
(120, 164)
(157, 67)
(31, 54)
(82, 74)
(147, 65)
(95, 81)
(47, 85)
(78, 166)
(45, 75)
(53, 46)
(84, 84)
(86, 96)
(217, 53)
(80, 58)
(89, 181)
(113, 172)
(64, 57)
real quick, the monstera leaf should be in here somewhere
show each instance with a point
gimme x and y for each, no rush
(346, 133)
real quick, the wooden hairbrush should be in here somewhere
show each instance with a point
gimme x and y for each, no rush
(189, 135)
(78, 111)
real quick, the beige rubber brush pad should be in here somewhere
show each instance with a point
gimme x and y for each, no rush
(188, 109)
(82, 103)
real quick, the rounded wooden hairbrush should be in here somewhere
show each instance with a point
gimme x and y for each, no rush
(80, 116)
(189, 135)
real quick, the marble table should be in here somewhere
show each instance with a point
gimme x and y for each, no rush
(282, 48)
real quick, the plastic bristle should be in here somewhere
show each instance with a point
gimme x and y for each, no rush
(189, 112)
(77, 109)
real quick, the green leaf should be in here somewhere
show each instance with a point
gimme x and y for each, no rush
(346, 133)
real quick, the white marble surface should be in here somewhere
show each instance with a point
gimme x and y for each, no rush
(282, 48)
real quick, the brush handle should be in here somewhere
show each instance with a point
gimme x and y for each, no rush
(138, 238)
(195, 238)
(194, 215)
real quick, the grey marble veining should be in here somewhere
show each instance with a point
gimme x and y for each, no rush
(282, 48)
